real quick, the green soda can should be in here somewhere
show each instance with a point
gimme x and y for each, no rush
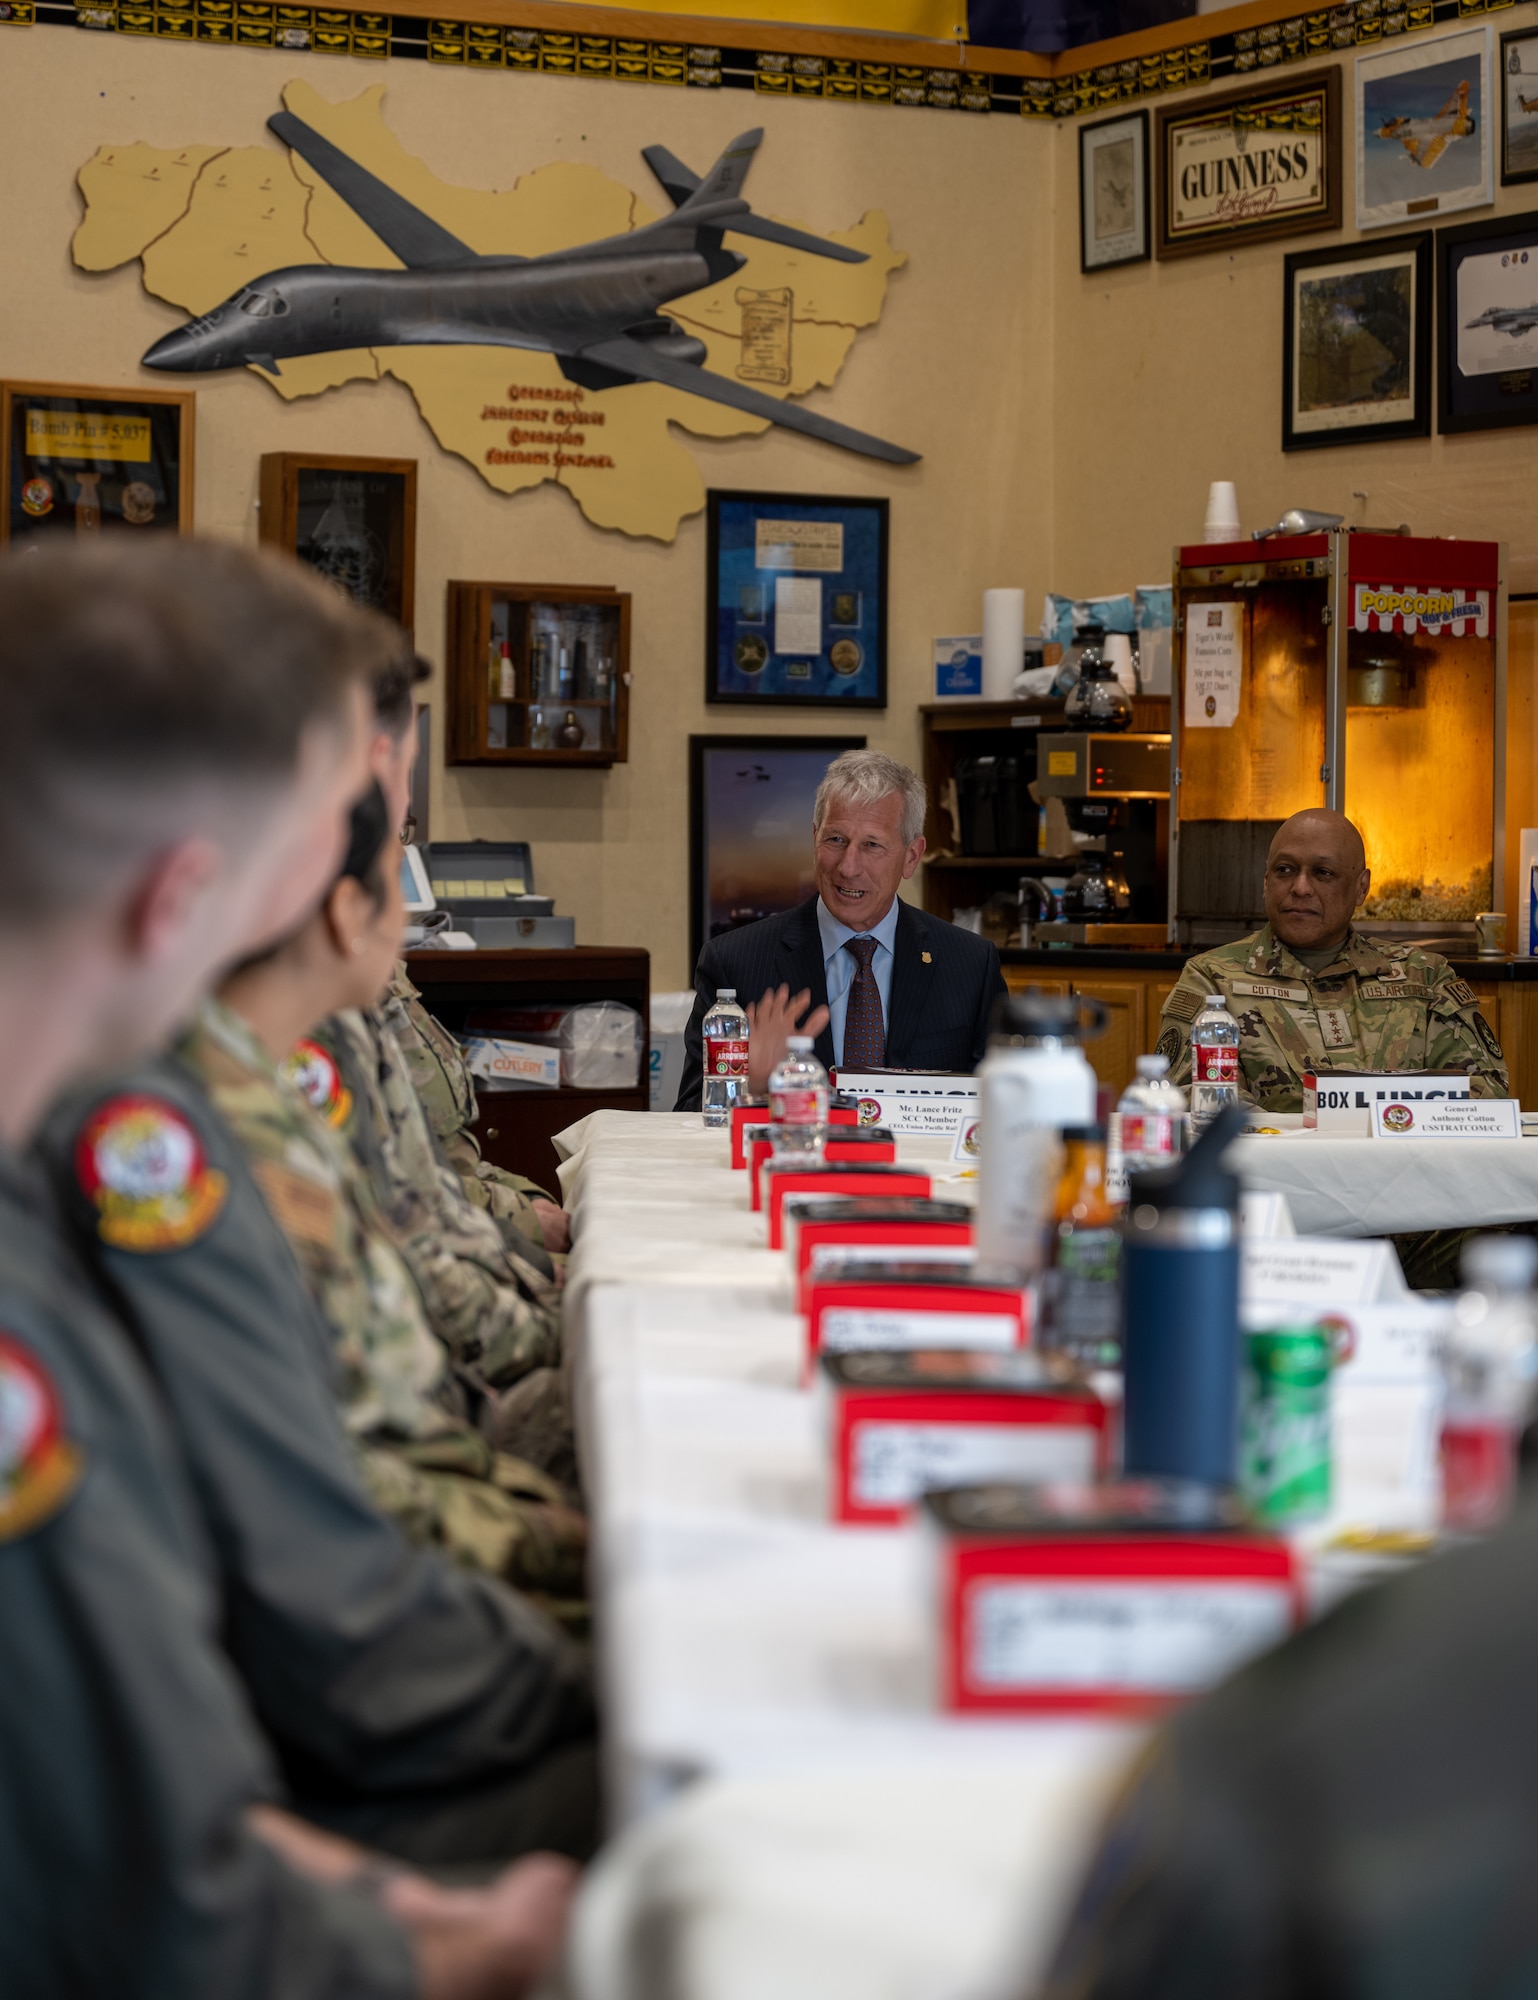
(1284, 1451)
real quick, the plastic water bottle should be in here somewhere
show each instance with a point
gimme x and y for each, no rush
(798, 1104)
(1150, 1112)
(1488, 1364)
(725, 1035)
(1214, 1061)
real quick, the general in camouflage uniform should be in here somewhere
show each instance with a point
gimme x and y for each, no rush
(1372, 1007)
(437, 1068)
(414, 1419)
(487, 1299)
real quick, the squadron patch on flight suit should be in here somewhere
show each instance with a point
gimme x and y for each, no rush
(141, 1164)
(39, 1467)
(314, 1070)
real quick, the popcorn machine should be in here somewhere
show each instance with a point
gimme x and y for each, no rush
(1361, 671)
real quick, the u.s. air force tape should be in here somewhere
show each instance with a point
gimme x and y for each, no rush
(141, 1166)
(39, 1467)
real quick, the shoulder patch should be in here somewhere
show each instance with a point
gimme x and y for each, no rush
(1184, 1004)
(314, 1070)
(39, 1467)
(1460, 992)
(141, 1165)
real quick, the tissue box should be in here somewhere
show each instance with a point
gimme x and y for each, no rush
(1344, 1103)
(899, 1425)
(1128, 1595)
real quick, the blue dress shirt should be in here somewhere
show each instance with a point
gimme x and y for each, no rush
(840, 968)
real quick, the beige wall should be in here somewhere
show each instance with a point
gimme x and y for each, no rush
(1170, 376)
(1069, 425)
(958, 368)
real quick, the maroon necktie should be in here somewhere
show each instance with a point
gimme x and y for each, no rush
(864, 1029)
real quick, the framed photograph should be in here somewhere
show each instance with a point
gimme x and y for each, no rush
(1113, 192)
(797, 601)
(353, 519)
(1487, 318)
(1249, 164)
(750, 828)
(1356, 343)
(1519, 106)
(1423, 129)
(82, 461)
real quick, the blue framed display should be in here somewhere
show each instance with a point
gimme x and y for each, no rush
(797, 611)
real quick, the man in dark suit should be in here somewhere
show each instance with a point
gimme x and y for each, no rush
(878, 983)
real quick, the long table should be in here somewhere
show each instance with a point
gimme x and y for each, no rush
(1382, 1187)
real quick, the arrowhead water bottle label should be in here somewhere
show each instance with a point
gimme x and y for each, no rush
(1152, 1133)
(725, 1057)
(795, 1107)
(1216, 1065)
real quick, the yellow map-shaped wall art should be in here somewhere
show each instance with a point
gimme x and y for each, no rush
(203, 221)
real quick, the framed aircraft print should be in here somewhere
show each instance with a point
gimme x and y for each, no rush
(1487, 315)
(1249, 164)
(87, 461)
(1519, 106)
(1113, 192)
(353, 519)
(1423, 146)
(1356, 343)
(796, 611)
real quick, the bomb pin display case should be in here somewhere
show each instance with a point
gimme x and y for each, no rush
(1360, 671)
(538, 674)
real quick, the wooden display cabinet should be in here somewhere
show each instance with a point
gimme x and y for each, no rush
(353, 519)
(527, 661)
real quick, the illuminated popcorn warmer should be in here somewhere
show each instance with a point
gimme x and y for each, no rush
(1356, 670)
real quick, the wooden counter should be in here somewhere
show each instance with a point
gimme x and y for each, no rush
(1132, 986)
(516, 1126)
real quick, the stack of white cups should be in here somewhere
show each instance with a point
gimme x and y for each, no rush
(1222, 523)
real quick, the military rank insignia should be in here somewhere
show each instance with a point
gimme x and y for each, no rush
(141, 1164)
(314, 1070)
(39, 1467)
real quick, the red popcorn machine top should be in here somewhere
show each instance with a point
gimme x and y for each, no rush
(1366, 672)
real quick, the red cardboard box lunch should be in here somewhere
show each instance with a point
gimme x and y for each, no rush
(901, 1305)
(850, 1146)
(900, 1425)
(780, 1181)
(1126, 1596)
(819, 1226)
(755, 1111)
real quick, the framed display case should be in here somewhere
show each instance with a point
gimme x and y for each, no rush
(538, 673)
(79, 461)
(353, 519)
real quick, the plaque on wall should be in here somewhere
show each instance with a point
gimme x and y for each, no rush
(86, 461)
(1250, 164)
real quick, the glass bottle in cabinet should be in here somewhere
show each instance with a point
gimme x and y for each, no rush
(538, 673)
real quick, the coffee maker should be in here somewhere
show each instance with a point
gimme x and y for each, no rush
(1115, 792)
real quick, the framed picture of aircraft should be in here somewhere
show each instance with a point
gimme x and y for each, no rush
(796, 612)
(1113, 192)
(87, 461)
(750, 828)
(1519, 106)
(1356, 343)
(1487, 315)
(1250, 164)
(1423, 145)
(353, 519)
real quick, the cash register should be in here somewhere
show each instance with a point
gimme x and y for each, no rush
(485, 891)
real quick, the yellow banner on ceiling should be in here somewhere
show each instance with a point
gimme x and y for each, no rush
(936, 20)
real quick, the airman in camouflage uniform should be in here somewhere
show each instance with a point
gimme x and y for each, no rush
(443, 1084)
(486, 1299)
(1372, 1007)
(414, 1420)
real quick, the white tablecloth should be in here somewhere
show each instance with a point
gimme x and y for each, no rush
(1380, 1187)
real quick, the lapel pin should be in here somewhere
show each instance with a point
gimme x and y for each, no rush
(924, 955)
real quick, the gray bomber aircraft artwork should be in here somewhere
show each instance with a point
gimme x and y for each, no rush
(596, 307)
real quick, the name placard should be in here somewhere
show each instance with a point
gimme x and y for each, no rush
(1344, 1103)
(1466, 1118)
(1317, 1272)
(911, 1100)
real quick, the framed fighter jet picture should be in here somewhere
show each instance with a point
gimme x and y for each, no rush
(88, 461)
(1423, 147)
(1487, 315)
(796, 613)
(353, 519)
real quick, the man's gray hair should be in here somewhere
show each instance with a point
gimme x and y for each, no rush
(865, 778)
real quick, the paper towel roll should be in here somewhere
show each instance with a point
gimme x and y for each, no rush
(1117, 649)
(1003, 642)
